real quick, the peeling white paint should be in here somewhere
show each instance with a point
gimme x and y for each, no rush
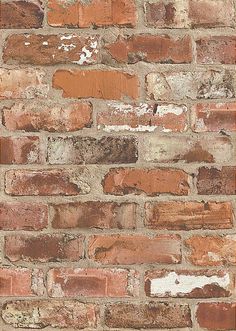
(170, 109)
(110, 128)
(67, 37)
(174, 284)
(66, 48)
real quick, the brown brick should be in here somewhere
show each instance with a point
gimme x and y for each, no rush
(44, 248)
(94, 214)
(50, 49)
(136, 249)
(192, 215)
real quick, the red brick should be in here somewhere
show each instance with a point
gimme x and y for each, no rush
(20, 150)
(216, 50)
(55, 118)
(23, 216)
(192, 215)
(68, 282)
(22, 84)
(20, 14)
(21, 282)
(46, 182)
(152, 315)
(44, 248)
(216, 181)
(94, 214)
(50, 313)
(143, 117)
(214, 117)
(50, 49)
(98, 84)
(216, 315)
(89, 150)
(212, 250)
(121, 181)
(188, 284)
(151, 48)
(136, 249)
(95, 13)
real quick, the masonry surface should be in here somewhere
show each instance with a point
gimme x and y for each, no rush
(117, 165)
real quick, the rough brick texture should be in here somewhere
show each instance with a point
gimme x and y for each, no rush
(118, 165)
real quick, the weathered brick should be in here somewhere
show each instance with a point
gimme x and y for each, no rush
(143, 117)
(190, 13)
(188, 215)
(23, 216)
(212, 250)
(21, 282)
(20, 150)
(44, 247)
(216, 50)
(136, 249)
(95, 13)
(22, 84)
(68, 282)
(50, 313)
(120, 181)
(46, 182)
(216, 315)
(216, 181)
(188, 149)
(151, 48)
(101, 84)
(20, 14)
(181, 85)
(214, 117)
(188, 284)
(55, 118)
(152, 315)
(50, 49)
(94, 214)
(88, 150)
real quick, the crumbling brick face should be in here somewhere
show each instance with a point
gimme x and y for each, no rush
(118, 165)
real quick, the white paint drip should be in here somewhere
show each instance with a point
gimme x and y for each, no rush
(174, 284)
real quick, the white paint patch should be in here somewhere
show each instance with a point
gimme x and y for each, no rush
(67, 37)
(174, 284)
(142, 109)
(45, 43)
(86, 54)
(66, 48)
(117, 128)
(163, 110)
(27, 43)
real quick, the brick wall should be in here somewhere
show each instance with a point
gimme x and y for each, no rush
(118, 164)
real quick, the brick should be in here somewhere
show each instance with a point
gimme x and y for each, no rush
(50, 49)
(94, 214)
(22, 84)
(136, 249)
(194, 85)
(188, 149)
(20, 150)
(98, 84)
(21, 282)
(181, 85)
(23, 216)
(121, 181)
(32, 117)
(188, 284)
(20, 15)
(216, 315)
(212, 250)
(39, 314)
(151, 48)
(190, 13)
(88, 150)
(188, 215)
(151, 315)
(46, 182)
(216, 181)
(143, 117)
(44, 248)
(214, 117)
(216, 50)
(95, 13)
(68, 282)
